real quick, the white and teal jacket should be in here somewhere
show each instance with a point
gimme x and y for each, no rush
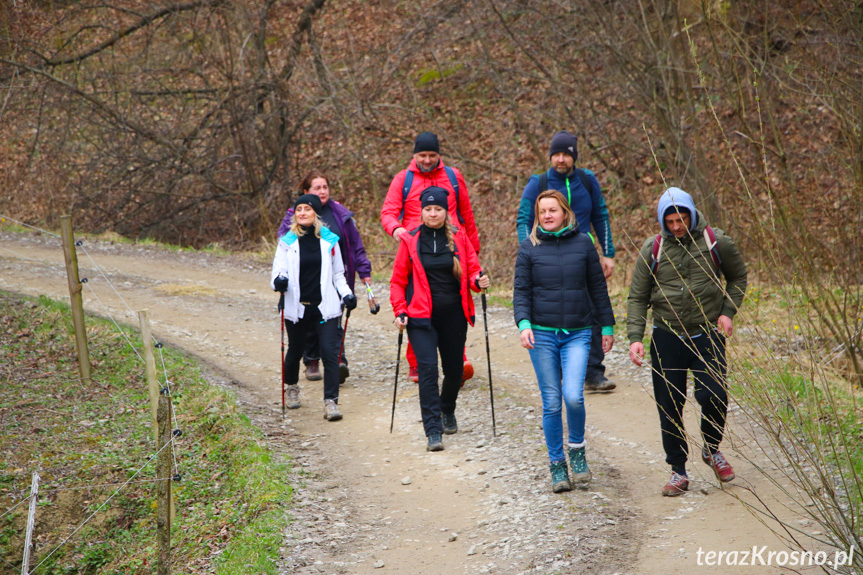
(333, 285)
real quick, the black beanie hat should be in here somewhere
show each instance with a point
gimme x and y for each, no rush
(675, 210)
(426, 142)
(564, 142)
(310, 200)
(434, 196)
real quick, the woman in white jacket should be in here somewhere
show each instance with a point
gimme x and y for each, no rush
(308, 269)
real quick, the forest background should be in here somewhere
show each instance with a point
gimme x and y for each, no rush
(192, 122)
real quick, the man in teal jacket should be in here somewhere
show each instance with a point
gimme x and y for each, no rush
(581, 189)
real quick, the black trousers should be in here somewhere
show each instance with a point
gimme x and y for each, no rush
(313, 346)
(671, 357)
(328, 333)
(447, 334)
(595, 369)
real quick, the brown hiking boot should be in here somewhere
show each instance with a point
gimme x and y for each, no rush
(292, 399)
(331, 410)
(313, 370)
(600, 383)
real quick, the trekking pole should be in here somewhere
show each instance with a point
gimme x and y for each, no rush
(373, 303)
(344, 334)
(488, 357)
(396, 383)
(282, 358)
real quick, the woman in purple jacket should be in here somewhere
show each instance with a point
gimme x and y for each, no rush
(340, 221)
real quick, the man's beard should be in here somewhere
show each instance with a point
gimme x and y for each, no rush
(427, 170)
(563, 170)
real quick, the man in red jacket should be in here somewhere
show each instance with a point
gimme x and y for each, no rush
(402, 207)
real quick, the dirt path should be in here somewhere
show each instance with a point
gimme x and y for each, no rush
(371, 502)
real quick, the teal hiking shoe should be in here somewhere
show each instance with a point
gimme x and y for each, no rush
(559, 477)
(435, 442)
(450, 425)
(580, 472)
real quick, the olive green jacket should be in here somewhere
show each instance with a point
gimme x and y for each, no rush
(685, 293)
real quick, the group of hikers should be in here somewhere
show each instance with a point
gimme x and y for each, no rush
(561, 304)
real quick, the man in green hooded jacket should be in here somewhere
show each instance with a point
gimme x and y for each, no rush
(679, 276)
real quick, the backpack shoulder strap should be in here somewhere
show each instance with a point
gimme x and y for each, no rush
(543, 182)
(656, 252)
(406, 189)
(450, 173)
(585, 181)
(713, 246)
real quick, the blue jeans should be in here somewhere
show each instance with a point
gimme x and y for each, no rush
(560, 362)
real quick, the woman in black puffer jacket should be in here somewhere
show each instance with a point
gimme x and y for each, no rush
(557, 275)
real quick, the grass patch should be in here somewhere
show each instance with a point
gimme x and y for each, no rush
(84, 441)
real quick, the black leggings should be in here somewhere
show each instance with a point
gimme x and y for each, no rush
(671, 357)
(328, 334)
(446, 333)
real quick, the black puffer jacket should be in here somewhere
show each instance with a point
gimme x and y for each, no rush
(556, 281)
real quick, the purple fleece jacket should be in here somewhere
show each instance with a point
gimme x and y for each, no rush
(350, 242)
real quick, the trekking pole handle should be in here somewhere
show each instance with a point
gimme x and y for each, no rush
(373, 303)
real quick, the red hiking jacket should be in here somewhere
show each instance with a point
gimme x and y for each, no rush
(409, 286)
(393, 204)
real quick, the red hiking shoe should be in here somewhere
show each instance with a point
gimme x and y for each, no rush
(676, 485)
(467, 373)
(414, 375)
(723, 470)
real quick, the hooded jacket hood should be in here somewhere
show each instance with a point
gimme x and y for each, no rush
(675, 197)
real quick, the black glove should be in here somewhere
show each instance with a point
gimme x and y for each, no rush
(350, 301)
(280, 284)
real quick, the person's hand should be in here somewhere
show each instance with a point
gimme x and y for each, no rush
(726, 325)
(636, 353)
(367, 281)
(607, 343)
(400, 234)
(401, 321)
(607, 266)
(526, 338)
(280, 284)
(483, 282)
(350, 301)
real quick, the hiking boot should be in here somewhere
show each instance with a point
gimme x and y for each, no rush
(450, 425)
(467, 371)
(580, 471)
(723, 470)
(331, 410)
(435, 442)
(559, 477)
(414, 375)
(292, 397)
(676, 485)
(600, 383)
(344, 372)
(313, 370)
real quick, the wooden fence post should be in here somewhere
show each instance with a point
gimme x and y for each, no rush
(163, 474)
(76, 302)
(150, 367)
(31, 522)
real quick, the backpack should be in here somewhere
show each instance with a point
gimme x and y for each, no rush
(543, 182)
(409, 180)
(709, 238)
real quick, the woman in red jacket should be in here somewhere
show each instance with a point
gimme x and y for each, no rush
(429, 291)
